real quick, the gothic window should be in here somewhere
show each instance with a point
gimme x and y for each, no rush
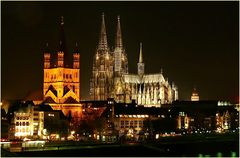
(17, 123)
(23, 123)
(67, 76)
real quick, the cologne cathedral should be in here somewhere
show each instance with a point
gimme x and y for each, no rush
(110, 77)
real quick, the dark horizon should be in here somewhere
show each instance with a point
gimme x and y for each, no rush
(196, 43)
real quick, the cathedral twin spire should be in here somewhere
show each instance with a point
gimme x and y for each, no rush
(103, 44)
(118, 41)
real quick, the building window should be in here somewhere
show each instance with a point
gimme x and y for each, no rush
(122, 124)
(17, 123)
(23, 123)
(140, 123)
(135, 124)
(67, 76)
(27, 123)
(20, 124)
(126, 124)
(17, 118)
(131, 124)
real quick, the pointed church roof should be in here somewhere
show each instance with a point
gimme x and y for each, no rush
(103, 45)
(140, 54)
(118, 42)
(76, 49)
(46, 49)
(62, 46)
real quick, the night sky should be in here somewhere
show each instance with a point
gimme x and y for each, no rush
(196, 43)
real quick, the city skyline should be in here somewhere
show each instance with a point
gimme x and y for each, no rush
(195, 43)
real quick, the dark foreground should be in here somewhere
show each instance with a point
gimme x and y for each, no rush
(193, 149)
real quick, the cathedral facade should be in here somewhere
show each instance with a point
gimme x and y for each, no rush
(61, 82)
(110, 77)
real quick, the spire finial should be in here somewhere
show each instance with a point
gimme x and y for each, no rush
(76, 44)
(140, 54)
(62, 20)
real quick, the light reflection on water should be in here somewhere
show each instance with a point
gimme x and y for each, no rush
(219, 154)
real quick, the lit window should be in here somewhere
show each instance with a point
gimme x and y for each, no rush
(51, 115)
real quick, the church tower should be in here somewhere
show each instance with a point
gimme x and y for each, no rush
(61, 83)
(120, 57)
(101, 83)
(140, 62)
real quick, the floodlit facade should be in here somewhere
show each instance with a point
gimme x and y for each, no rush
(61, 85)
(110, 77)
(38, 122)
(195, 96)
(28, 123)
